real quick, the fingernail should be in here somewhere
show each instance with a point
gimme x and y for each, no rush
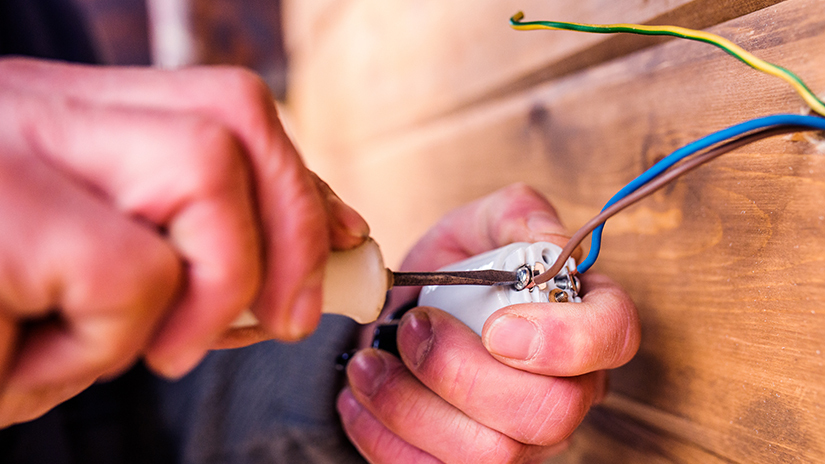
(513, 337)
(544, 223)
(306, 308)
(366, 372)
(348, 219)
(415, 336)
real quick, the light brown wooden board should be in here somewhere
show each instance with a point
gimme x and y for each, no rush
(306, 22)
(727, 265)
(377, 67)
(609, 436)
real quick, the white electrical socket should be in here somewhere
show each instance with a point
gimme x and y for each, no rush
(473, 304)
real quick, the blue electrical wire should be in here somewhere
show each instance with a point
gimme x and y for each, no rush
(813, 122)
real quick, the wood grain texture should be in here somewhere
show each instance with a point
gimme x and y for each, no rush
(726, 265)
(378, 67)
(609, 436)
(696, 15)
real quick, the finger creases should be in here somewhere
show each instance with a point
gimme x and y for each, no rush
(450, 359)
(185, 174)
(297, 244)
(406, 408)
(90, 283)
(567, 339)
(347, 228)
(295, 226)
(373, 440)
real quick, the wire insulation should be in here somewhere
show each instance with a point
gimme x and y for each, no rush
(675, 31)
(658, 182)
(689, 149)
(812, 122)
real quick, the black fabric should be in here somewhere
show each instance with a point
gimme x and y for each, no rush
(52, 29)
(270, 403)
(109, 423)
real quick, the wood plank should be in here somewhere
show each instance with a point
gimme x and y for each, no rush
(727, 265)
(694, 15)
(382, 66)
(608, 437)
(554, 128)
(306, 22)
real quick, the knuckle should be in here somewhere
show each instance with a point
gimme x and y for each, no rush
(614, 313)
(512, 205)
(148, 279)
(240, 280)
(139, 292)
(112, 351)
(216, 156)
(526, 196)
(133, 276)
(163, 272)
(624, 341)
(246, 85)
(521, 189)
(251, 96)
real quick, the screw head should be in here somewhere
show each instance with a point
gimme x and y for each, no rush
(558, 295)
(524, 276)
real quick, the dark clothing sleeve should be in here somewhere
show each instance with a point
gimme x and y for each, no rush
(52, 29)
(267, 403)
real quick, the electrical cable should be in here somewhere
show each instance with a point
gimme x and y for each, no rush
(814, 122)
(659, 182)
(731, 48)
(651, 175)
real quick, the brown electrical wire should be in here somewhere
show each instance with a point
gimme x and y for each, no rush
(680, 169)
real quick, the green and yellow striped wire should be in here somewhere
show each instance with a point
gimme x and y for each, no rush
(735, 50)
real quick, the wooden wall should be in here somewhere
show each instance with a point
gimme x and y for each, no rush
(413, 107)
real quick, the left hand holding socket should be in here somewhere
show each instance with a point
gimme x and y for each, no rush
(513, 395)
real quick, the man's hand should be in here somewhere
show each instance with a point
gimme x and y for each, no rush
(142, 211)
(513, 395)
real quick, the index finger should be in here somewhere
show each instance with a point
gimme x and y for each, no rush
(292, 212)
(567, 339)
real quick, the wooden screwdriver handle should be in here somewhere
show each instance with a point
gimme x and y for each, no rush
(355, 285)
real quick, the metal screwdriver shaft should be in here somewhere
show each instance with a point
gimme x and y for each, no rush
(486, 277)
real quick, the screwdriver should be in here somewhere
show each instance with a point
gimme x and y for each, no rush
(356, 283)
